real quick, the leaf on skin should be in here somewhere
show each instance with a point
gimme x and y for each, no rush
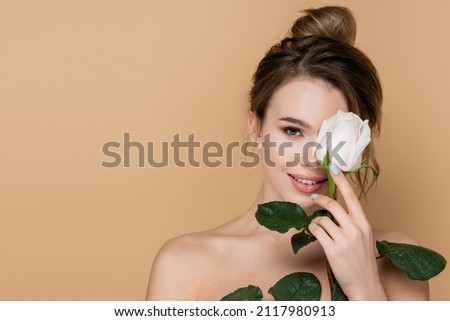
(418, 262)
(249, 293)
(299, 286)
(303, 238)
(281, 216)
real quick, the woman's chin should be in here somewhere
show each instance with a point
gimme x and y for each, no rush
(304, 199)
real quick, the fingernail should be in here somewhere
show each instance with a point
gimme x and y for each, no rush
(313, 196)
(334, 169)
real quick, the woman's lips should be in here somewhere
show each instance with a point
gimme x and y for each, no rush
(306, 184)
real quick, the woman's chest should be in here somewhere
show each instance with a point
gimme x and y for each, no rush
(222, 276)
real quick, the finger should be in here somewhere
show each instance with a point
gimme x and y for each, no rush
(332, 206)
(334, 231)
(348, 193)
(320, 234)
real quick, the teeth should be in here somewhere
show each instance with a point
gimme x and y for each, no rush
(306, 181)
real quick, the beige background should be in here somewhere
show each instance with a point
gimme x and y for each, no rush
(76, 74)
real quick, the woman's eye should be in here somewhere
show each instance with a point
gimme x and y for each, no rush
(291, 131)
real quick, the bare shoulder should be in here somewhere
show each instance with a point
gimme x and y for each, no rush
(394, 236)
(178, 265)
(395, 282)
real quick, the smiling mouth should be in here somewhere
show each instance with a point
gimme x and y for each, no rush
(307, 181)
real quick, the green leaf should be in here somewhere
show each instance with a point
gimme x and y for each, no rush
(249, 293)
(317, 214)
(301, 239)
(418, 262)
(304, 238)
(299, 286)
(281, 216)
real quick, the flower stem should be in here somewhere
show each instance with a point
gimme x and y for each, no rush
(332, 194)
(331, 183)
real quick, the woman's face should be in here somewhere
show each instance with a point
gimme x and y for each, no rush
(293, 119)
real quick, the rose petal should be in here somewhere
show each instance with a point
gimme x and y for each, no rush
(344, 127)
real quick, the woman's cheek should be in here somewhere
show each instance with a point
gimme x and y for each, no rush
(287, 154)
(282, 152)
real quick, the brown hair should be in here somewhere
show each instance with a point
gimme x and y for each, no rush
(321, 47)
(331, 22)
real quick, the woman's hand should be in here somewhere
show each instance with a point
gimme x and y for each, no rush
(348, 243)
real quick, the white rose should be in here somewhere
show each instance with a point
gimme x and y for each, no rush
(348, 136)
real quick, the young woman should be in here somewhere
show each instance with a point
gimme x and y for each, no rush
(300, 82)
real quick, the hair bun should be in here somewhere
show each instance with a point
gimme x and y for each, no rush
(331, 21)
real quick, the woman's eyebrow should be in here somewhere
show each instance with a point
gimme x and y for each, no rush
(297, 122)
